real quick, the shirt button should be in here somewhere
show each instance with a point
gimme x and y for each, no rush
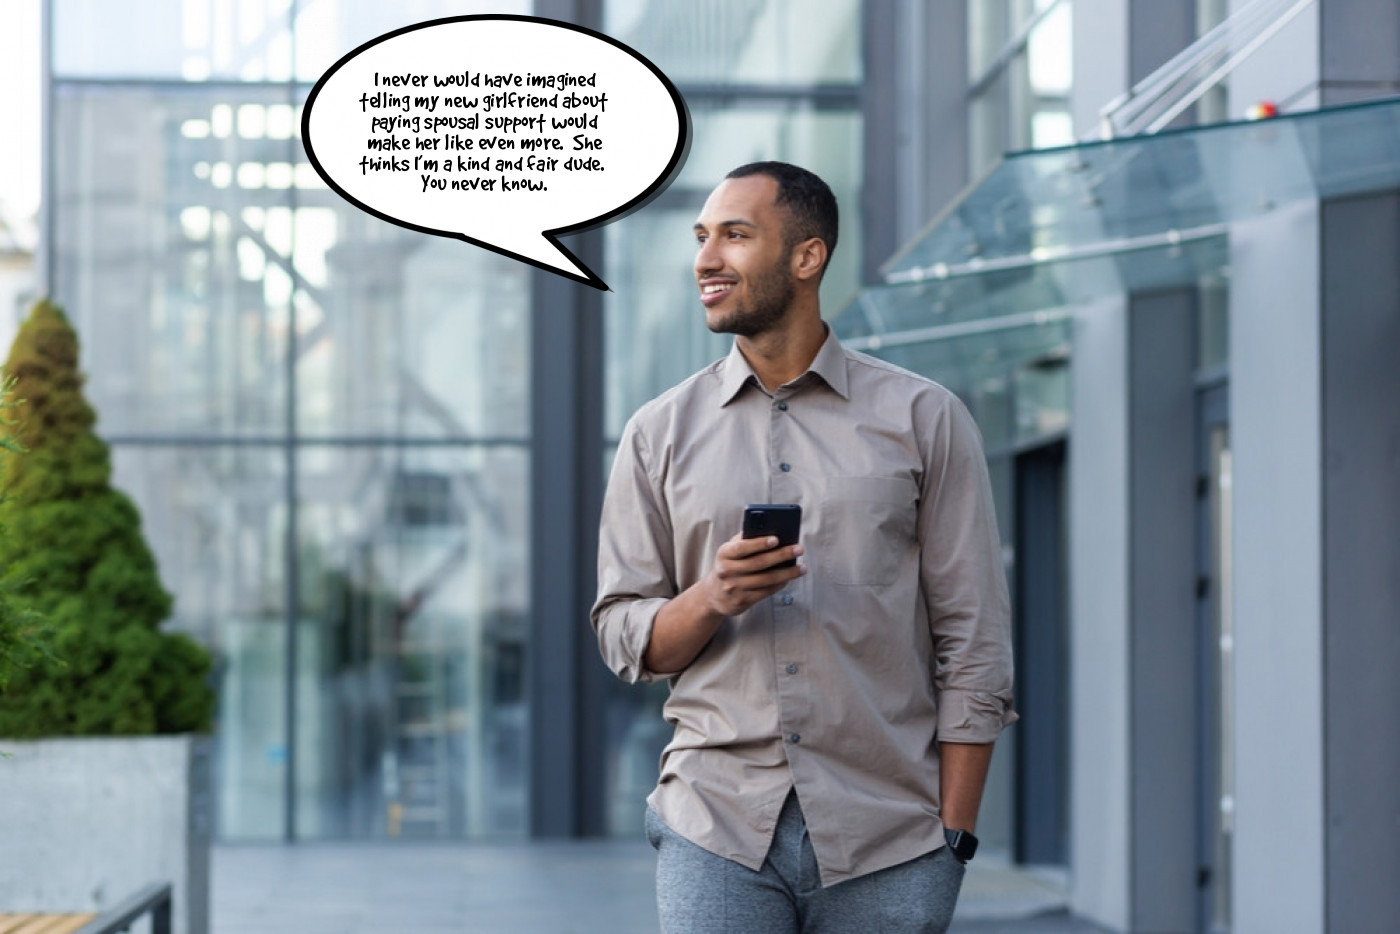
(782, 406)
(785, 467)
(794, 738)
(792, 669)
(785, 599)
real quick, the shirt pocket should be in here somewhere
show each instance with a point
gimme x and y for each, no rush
(870, 526)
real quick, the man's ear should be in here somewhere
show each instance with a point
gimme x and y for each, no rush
(808, 258)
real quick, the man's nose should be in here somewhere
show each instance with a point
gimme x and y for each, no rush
(707, 258)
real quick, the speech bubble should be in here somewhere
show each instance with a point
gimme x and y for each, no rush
(503, 131)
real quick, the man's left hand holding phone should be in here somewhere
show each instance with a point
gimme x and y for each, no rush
(745, 571)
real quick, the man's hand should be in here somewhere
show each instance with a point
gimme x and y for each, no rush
(742, 575)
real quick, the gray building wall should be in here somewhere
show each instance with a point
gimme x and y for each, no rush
(1360, 457)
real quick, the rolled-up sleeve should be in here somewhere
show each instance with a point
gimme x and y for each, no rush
(636, 573)
(964, 582)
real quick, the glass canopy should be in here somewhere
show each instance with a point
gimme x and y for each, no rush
(1131, 194)
(992, 280)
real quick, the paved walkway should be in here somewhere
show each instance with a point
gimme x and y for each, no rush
(589, 887)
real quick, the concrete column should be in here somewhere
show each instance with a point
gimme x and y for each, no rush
(1098, 543)
(1275, 428)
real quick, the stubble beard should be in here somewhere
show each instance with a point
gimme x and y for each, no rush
(770, 297)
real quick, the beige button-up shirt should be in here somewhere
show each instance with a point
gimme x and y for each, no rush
(841, 685)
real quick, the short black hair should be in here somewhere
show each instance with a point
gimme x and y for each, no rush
(810, 205)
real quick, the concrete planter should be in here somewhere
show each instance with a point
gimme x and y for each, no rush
(86, 822)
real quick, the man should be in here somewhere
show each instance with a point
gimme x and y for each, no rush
(834, 720)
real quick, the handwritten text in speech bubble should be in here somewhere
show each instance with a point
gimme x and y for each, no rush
(504, 131)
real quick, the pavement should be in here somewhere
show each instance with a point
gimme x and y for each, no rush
(536, 887)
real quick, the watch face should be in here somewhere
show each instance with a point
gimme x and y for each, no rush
(962, 843)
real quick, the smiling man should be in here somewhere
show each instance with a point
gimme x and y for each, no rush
(834, 720)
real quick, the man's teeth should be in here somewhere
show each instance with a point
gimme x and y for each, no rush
(714, 288)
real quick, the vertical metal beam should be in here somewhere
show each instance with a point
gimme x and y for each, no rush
(47, 207)
(1157, 31)
(879, 156)
(566, 683)
(292, 562)
(914, 112)
(1162, 609)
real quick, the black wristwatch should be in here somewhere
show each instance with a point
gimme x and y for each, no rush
(962, 843)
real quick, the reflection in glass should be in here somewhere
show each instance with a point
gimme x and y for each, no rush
(414, 572)
(396, 344)
(215, 518)
(206, 40)
(191, 236)
(1020, 59)
(175, 271)
(743, 41)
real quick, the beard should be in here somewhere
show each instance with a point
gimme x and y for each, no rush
(763, 309)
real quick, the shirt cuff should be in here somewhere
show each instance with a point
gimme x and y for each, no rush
(973, 716)
(624, 649)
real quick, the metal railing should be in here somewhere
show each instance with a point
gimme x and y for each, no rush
(1162, 96)
(153, 900)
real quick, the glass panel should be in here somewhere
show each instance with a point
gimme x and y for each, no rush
(168, 259)
(1020, 96)
(191, 40)
(238, 40)
(656, 334)
(414, 576)
(1024, 294)
(328, 29)
(1053, 205)
(743, 41)
(405, 334)
(215, 517)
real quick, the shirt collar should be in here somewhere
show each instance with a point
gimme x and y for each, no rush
(829, 364)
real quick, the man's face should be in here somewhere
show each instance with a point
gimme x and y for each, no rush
(743, 264)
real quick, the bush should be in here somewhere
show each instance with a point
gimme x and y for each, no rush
(23, 634)
(73, 552)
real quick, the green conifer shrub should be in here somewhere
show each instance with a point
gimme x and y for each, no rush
(23, 633)
(74, 554)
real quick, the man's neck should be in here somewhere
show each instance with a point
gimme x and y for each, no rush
(781, 355)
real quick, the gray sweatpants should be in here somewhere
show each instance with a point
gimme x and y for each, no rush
(698, 892)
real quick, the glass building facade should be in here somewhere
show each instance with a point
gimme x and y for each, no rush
(324, 418)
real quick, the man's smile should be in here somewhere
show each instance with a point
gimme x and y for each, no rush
(713, 291)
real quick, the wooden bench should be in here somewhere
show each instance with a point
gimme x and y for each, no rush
(42, 924)
(153, 900)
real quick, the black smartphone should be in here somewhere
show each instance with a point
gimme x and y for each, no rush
(781, 519)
